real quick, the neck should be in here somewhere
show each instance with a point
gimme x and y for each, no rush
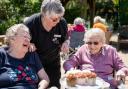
(16, 53)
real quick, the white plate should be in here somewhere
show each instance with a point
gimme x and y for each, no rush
(100, 84)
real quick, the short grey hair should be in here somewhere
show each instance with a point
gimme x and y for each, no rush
(95, 32)
(78, 21)
(52, 7)
(13, 30)
(99, 19)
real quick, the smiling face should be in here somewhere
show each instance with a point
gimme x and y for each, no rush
(95, 40)
(94, 45)
(21, 41)
(51, 18)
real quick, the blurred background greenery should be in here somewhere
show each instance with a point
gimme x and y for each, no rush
(114, 11)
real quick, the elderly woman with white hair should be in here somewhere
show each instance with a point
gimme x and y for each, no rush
(77, 34)
(98, 57)
(19, 68)
(79, 25)
(100, 23)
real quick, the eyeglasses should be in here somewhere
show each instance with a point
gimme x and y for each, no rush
(25, 36)
(90, 43)
(55, 19)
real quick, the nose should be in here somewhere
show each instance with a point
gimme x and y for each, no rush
(92, 46)
(27, 37)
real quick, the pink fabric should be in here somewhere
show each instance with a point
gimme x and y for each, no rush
(79, 28)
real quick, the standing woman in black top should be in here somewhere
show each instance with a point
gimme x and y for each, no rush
(49, 35)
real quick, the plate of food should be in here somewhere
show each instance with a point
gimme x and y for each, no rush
(77, 79)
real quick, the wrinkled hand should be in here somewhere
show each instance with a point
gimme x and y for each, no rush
(120, 75)
(32, 47)
(65, 47)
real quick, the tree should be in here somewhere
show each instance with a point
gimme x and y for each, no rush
(91, 10)
(64, 2)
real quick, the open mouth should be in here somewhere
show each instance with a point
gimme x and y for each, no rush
(25, 45)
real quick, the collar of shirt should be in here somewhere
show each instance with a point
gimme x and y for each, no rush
(102, 51)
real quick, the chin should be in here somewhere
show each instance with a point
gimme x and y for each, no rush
(94, 52)
(26, 50)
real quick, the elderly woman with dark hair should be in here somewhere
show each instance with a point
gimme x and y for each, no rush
(20, 69)
(100, 23)
(98, 57)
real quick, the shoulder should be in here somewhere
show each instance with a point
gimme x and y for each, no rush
(32, 54)
(83, 49)
(62, 25)
(63, 21)
(3, 50)
(32, 57)
(109, 48)
(33, 18)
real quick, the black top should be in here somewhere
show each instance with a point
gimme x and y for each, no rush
(47, 43)
(19, 73)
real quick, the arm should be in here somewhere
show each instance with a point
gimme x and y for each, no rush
(120, 67)
(64, 36)
(44, 80)
(65, 46)
(43, 84)
(71, 63)
(118, 63)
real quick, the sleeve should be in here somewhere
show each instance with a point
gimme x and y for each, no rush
(38, 64)
(28, 22)
(72, 62)
(118, 62)
(0, 60)
(31, 22)
(2, 56)
(63, 30)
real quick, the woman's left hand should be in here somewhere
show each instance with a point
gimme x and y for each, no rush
(120, 75)
(65, 47)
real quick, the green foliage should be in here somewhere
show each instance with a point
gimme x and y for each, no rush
(6, 24)
(73, 10)
(71, 14)
(123, 12)
(13, 11)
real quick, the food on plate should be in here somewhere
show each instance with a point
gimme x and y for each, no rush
(71, 77)
(79, 77)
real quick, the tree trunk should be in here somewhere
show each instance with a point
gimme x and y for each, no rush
(91, 10)
(84, 7)
(64, 2)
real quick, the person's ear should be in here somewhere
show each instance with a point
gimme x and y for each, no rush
(13, 38)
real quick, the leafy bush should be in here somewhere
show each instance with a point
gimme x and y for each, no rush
(71, 14)
(123, 12)
(6, 24)
(13, 11)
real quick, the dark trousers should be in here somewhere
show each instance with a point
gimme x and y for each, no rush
(54, 74)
